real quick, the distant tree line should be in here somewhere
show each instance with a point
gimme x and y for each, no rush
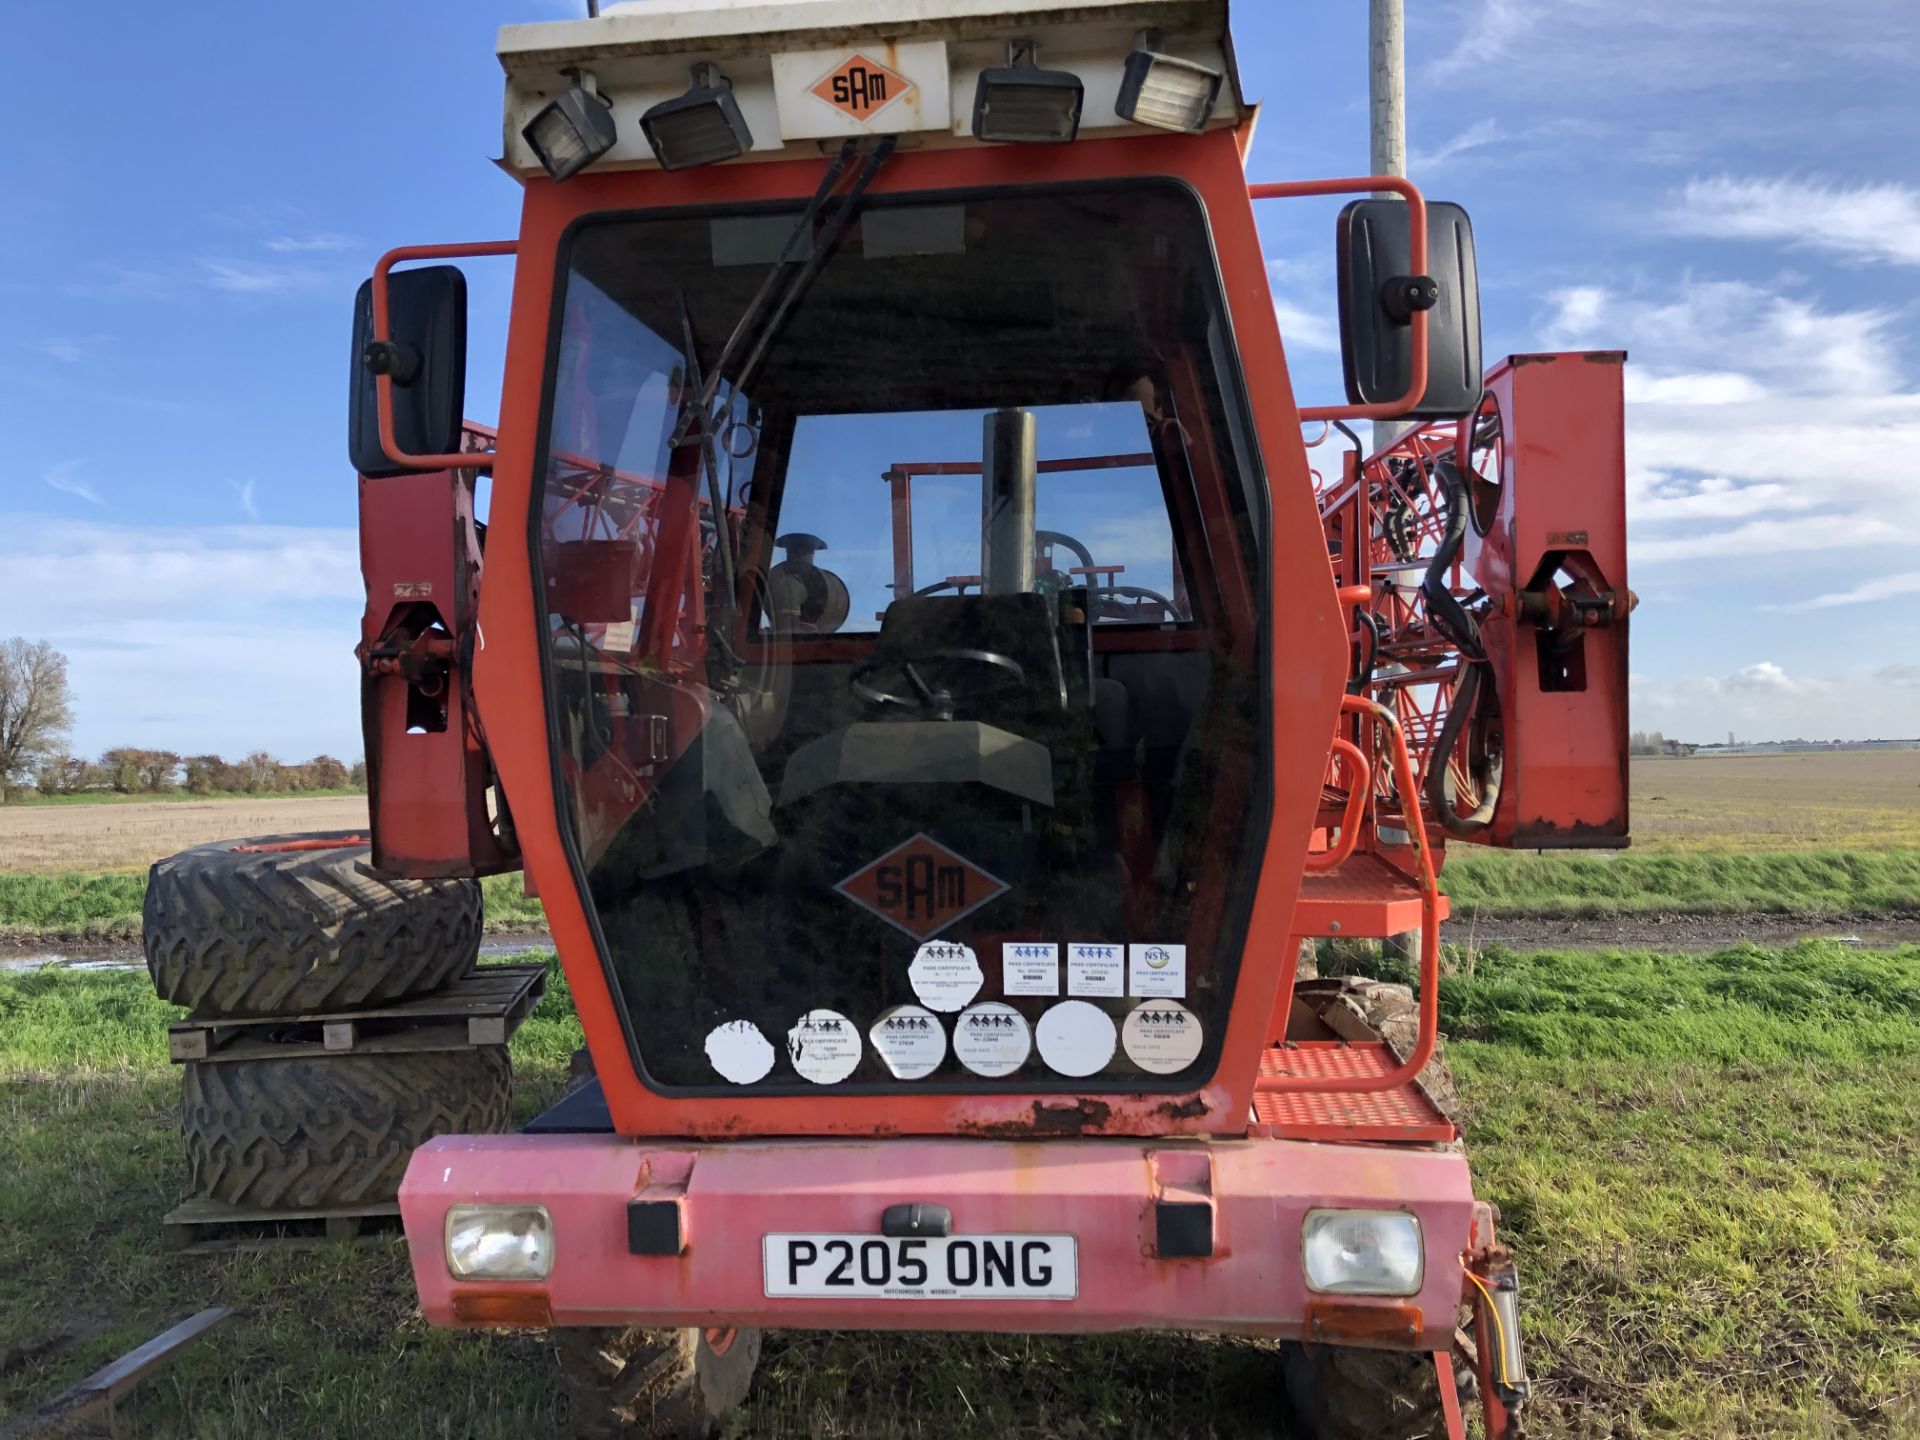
(1652, 742)
(127, 771)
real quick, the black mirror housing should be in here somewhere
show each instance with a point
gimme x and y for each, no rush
(425, 353)
(1379, 291)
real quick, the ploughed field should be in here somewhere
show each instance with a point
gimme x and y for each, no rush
(119, 835)
(1710, 1165)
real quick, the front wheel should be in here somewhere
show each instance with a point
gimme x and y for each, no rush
(1339, 1392)
(640, 1384)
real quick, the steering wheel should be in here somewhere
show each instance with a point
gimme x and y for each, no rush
(1138, 592)
(959, 584)
(934, 681)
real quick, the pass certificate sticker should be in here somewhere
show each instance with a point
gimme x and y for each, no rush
(1076, 1037)
(910, 1042)
(1096, 969)
(1161, 1037)
(1029, 967)
(945, 975)
(824, 1046)
(1157, 970)
(992, 1039)
(740, 1052)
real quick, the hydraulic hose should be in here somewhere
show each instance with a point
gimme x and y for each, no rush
(1456, 623)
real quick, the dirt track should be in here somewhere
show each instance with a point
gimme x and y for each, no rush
(117, 837)
(1678, 932)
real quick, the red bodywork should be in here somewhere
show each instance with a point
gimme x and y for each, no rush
(1349, 854)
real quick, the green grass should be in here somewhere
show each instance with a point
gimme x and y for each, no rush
(1710, 1165)
(1498, 882)
(105, 905)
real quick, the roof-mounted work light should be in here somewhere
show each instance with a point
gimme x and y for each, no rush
(1165, 91)
(1025, 104)
(700, 127)
(572, 132)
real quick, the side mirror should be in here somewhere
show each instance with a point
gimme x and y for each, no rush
(426, 354)
(1379, 292)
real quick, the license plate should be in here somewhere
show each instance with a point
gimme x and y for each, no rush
(957, 1267)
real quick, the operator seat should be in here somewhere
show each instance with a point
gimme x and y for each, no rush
(1024, 627)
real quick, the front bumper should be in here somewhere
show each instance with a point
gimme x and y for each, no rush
(1246, 1197)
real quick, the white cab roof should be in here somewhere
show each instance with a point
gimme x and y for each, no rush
(779, 58)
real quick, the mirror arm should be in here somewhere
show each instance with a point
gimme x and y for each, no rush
(384, 347)
(1417, 235)
(1404, 296)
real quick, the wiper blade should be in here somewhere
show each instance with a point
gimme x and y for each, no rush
(772, 300)
(710, 462)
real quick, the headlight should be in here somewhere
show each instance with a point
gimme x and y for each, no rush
(499, 1242)
(1362, 1252)
(1167, 92)
(700, 127)
(571, 132)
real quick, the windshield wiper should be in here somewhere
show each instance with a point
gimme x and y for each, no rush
(758, 326)
(767, 312)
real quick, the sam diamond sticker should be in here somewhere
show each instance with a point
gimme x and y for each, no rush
(1028, 967)
(1076, 1037)
(945, 976)
(824, 1046)
(1162, 1037)
(740, 1052)
(992, 1039)
(910, 1042)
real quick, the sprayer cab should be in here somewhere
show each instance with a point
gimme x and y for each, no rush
(927, 683)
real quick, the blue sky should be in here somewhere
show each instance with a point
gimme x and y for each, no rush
(1723, 187)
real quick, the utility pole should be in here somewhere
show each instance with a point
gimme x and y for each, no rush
(1387, 111)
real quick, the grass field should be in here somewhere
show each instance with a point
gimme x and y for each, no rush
(1803, 882)
(1710, 1165)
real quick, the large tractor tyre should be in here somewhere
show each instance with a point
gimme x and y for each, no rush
(640, 1384)
(299, 1134)
(256, 928)
(1339, 1392)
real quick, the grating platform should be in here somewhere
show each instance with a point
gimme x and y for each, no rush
(1363, 896)
(1403, 1113)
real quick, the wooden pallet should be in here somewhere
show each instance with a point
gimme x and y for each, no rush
(484, 1008)
(88, 1407)
(202, 1227)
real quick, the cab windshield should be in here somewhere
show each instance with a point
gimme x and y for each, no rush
(908, 717)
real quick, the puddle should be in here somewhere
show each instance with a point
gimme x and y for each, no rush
(128, 957)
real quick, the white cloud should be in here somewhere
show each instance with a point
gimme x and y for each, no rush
(1884, 587)
(1899, 675)
(1476, 136)
(1860, 222)
(308, 244)
(1759, 423)
(1765, 701)
(244, 489)
(72, 349)
(1304, 329)
(1641, 47)
(65, 477)
(217, 638)
(244, 277)
(1303, 300)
